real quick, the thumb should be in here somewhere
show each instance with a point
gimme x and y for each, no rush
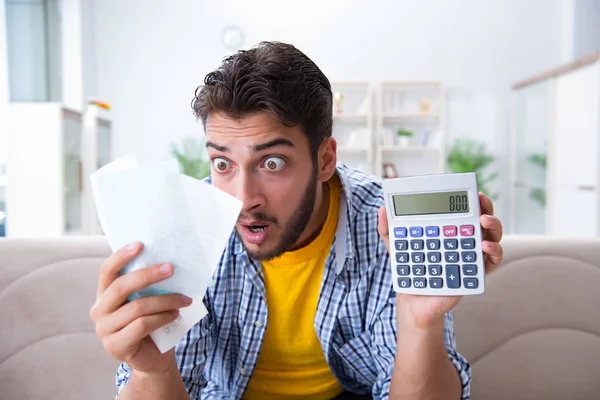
(382, 227)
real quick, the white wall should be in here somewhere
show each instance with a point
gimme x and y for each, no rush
(587, 27)
(152, 54)
(3, 84)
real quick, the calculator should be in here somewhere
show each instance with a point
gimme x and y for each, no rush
(435, 234)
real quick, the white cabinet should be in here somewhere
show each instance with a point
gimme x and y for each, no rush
(353, 124)
(410, 120)
(557, 116)
(44, 176)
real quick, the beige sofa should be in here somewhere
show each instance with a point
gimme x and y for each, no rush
(534, 334)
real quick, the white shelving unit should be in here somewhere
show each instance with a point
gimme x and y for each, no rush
(556, 119)
(353, 124)
(416, 107)
(96, 150)
(44, 176)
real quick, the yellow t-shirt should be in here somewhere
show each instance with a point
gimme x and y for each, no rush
(291, 363)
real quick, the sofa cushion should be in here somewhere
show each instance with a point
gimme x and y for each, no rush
(49, 349)
(535, 332)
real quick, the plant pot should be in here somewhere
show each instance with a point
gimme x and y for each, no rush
(403, 141)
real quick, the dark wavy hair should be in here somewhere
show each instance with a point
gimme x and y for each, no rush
(271, 77)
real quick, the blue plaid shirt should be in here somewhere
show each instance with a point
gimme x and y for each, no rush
(355, 320)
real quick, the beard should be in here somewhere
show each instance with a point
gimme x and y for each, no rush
(294, 228)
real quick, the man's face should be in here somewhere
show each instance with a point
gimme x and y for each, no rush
(269, 168)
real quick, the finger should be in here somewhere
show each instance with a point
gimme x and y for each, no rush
(382, 227)
(117, 293)
(487, 207)
(115, 263)
(129, 312)
(493, 254)
(122, 344)
(382, 224)
(492, 226)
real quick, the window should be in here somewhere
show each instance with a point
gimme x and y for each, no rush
(32, 33)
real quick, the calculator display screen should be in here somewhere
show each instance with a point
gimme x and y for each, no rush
(431, 203)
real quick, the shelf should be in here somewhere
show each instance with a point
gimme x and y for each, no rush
(412, 117)
(352, 150)
(399, 149)
(350, 117)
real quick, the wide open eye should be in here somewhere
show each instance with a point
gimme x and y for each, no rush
(220, 164)
(274, 163)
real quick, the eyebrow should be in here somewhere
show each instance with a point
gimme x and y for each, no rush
(256, 148)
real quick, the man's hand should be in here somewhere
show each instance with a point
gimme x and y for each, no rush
(423, 311)
(124, 327)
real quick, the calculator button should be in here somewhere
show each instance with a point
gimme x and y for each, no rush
(451, 256)
(404, 282)
(436, 283)
(467, 230)
(402, 258)
(418, 257)
(449, 230)
(401, 245)
(434, 257)
(471, 283)
(432, 231)
(450, 244)
(403, 270)
(400, 232)
(418, 270)
(435, 270)
(467, 244)
(433, 244)
(469, 256)
(420, 283)
(416, 244)
(469, 269)
(453, 276)
(416, 231)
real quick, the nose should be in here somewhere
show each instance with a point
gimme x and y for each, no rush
(249, 192)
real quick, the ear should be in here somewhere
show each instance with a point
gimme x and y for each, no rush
(327, 159)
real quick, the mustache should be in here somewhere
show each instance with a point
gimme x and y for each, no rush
(258, 216)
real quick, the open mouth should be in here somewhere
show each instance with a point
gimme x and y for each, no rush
(257, 228)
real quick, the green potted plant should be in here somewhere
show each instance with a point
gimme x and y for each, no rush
(191, 157)
(536, 193)
(404, 137)
(468, 155)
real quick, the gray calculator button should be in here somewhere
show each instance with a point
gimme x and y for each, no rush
(450, 244)
(469, 269)
(403, 270)
(467, 244)
(418, 269)
(469, 256)
(451, 256)
(436, 283)
(401, 245)
(453, 276)
(420, 283)
(471, 283)
(435, 270)
(434, 257)
(404, 282)
(401, 258)
(416, 244)
(418, 257)
(433, 244)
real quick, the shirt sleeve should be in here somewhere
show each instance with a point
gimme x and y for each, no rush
(384, 335)
(190, 354)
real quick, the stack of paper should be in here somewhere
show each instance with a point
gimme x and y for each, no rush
(179, 219)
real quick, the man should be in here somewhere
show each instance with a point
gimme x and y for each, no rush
(303, 304)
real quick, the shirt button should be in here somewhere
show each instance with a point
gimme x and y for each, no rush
(242, 371)
(258, 323)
